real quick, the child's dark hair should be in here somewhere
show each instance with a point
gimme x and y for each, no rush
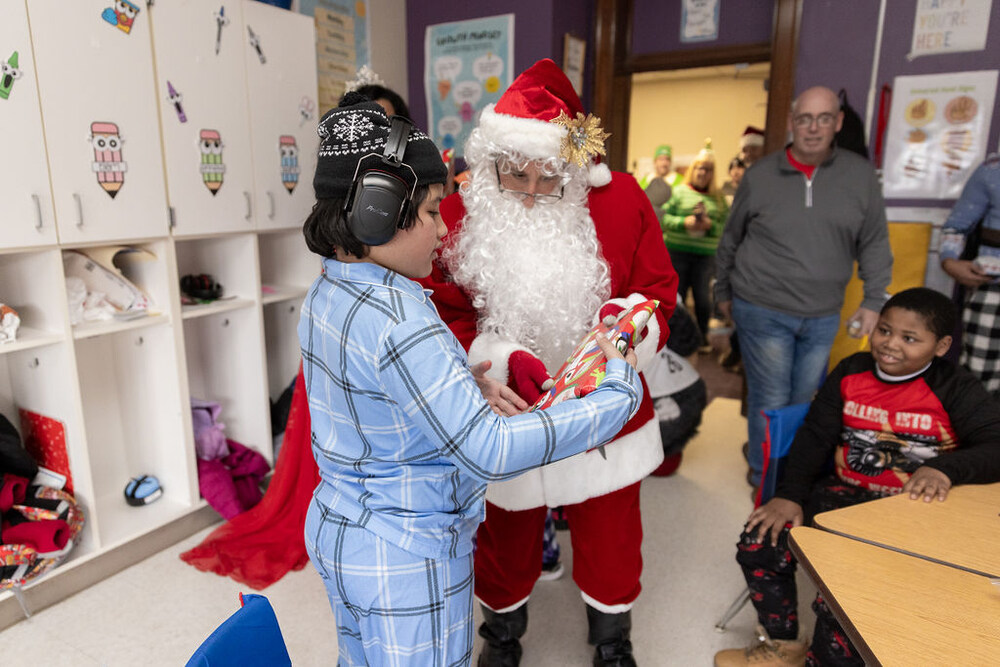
(375, 92)
(326, 227)
(737, 162)
(937, 310)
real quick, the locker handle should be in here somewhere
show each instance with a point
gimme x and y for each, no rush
(79, 210)
(249, 214)
(38, 211)
(270, 199)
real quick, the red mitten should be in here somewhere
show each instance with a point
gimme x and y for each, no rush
(609, 314)
(527, 375)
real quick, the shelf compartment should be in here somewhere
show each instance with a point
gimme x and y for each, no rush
(133, 413)
(32, 283)
(230, 260)
(214, 308)
(225, 365)
(286, 263)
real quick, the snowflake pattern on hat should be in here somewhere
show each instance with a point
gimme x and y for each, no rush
(353, 127)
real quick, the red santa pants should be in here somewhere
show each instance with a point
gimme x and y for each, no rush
(606, 534)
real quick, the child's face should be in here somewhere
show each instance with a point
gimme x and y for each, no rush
(902, 344)
(411, 251)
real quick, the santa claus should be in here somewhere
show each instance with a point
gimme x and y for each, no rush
(544, 241)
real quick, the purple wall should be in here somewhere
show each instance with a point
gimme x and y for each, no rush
(535, 32)
(656, 25)
(824, 59)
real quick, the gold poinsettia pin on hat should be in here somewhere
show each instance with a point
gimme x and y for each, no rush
(584, 137)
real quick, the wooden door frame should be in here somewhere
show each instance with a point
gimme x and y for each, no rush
(614, 66)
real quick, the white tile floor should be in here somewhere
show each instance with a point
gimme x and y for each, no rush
(158, 611)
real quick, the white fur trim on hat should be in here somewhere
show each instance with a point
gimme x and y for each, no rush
(531, 137)
(598, 175)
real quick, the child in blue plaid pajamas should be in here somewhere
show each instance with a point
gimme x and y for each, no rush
(405, 434)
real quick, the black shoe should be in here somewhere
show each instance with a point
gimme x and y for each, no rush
(502, 632)
(609, 633)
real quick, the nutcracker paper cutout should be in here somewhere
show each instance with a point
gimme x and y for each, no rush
(586, 367)
(108, 163)
(9, 73)
(121, 15)
(221, 21)
(289, 161)
(212, 168)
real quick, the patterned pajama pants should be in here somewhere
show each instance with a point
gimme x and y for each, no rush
(770, 575)
(391, 607)
(981, 336)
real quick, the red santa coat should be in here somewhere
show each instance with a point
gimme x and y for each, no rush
(632, 245)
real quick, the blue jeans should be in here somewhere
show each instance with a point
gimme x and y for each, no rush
(784, 359)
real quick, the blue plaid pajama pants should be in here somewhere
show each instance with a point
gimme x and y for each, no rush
(391, 607)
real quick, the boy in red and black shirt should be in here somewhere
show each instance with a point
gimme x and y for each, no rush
(900, 419)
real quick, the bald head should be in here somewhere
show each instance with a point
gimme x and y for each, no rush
(819, 94)
(813, 121)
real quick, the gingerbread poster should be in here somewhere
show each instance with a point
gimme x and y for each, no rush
(938, 128)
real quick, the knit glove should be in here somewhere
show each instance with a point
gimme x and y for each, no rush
(527, 375)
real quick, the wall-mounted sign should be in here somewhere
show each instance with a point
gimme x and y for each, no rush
(949, 26)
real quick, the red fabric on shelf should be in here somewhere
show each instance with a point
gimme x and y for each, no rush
(261, 545)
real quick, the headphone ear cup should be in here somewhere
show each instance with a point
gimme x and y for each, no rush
(377, 208)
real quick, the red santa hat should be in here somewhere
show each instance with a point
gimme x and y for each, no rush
(752, 136)
(541, 116)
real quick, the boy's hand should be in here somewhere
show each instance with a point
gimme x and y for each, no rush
(501, 398)
(928, 482)
(611, 352)
(772, 517)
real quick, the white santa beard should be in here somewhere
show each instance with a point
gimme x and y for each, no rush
(536, 275)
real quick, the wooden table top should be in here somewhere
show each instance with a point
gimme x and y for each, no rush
(963, 531)
(902, 610)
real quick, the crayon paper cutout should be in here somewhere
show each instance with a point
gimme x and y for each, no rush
(221, 21)
(9, 73)
(121, 15)
(212, 169)
(289, 162)
(108, 163)
(176, 98)
(307, 110)
(255, 43)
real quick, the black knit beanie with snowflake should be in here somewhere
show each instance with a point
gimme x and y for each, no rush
(359, 127)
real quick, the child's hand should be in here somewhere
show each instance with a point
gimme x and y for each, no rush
(772, 517)
(929, 482)
(502, 399)
(611, 352)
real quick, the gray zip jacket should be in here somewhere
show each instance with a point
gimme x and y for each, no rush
(790, 242)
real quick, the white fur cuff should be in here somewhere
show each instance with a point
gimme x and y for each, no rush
(490, 347)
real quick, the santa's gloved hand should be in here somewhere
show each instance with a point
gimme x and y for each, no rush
(610, 312)
(527, 375)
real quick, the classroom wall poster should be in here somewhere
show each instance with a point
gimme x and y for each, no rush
(341, 44)
(468, 65)
(699, 20)
(949, 26)
(938, 128)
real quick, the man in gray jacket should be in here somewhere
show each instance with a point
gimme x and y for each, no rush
(800, 219)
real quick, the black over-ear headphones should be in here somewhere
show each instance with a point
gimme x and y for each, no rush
(380, 196)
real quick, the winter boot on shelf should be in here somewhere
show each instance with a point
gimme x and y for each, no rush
(502, 632)
(609, 633)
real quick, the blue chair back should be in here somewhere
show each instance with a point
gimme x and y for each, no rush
(782, 424)
(249, 638)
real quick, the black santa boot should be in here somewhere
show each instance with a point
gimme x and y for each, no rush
(501, 632)
(609, 633)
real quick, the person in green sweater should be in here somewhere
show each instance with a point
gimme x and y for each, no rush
(659, 183)
(692, 222)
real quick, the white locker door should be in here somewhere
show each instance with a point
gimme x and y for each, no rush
(95, 78)
(280, 51)
(25, 194)
(201, 84)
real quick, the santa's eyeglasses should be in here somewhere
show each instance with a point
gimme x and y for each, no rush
(518, 178)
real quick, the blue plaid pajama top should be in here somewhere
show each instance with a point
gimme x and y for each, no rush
(404, 440)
